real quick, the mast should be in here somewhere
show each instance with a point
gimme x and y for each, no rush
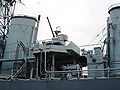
(7, 8)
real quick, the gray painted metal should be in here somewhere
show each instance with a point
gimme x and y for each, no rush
(95, 61)
(114, 28)
(21, 29)
(101, 84)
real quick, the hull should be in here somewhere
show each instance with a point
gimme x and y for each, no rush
(96, 84)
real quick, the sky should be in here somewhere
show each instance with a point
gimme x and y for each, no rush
(81, 20)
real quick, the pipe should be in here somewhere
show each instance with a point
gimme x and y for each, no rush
(19, 59)
(82, 70)
(108, 42)
(53, 64)
(36, 30)
(76, 70)
(37, 66)
(45, 62)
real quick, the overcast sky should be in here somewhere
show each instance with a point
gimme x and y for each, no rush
(81, 20)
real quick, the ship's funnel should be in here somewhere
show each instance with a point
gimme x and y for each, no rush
(22, 29)
(19, 40)
(114, 39)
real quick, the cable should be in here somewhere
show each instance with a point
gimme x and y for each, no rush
(101, 39)
(97, 35)
(89, 45)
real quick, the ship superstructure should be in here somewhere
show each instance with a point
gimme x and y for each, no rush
(42, 64)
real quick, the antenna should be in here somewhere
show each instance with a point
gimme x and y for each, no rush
(51, 27)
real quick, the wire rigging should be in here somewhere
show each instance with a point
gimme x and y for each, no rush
(85, 46)
(102, 38)
(97, 36)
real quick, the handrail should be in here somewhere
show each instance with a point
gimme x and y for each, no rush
(71, 71)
